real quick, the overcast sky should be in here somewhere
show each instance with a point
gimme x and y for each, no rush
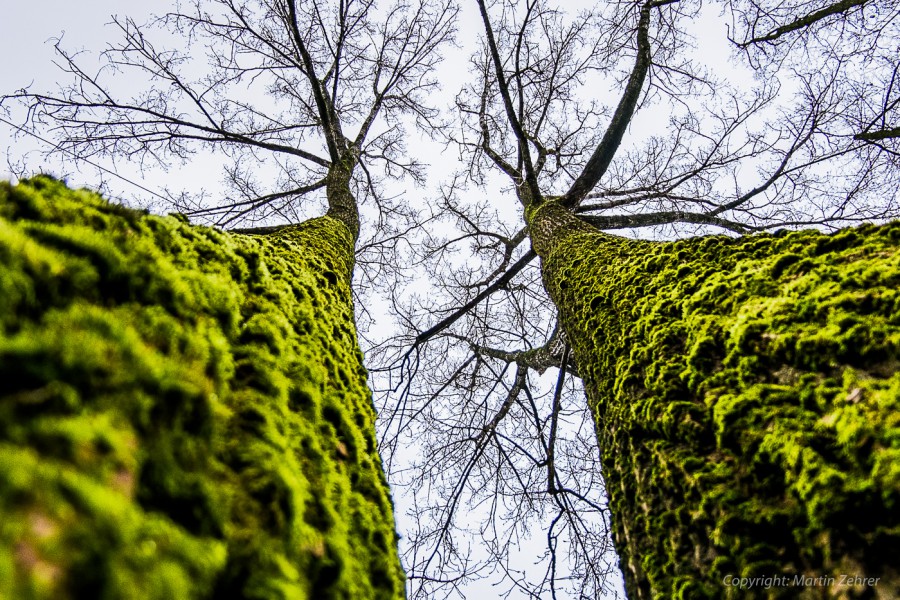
(27, 32)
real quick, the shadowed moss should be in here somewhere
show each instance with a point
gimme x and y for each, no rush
(747, 400)
(183, 412)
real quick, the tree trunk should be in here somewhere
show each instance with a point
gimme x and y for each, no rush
(183, 412)
(747, 401)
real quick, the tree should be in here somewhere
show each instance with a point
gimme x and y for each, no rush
(525, 117)
(284, 83)
(244, 465)
(810, 142)
(167, 428)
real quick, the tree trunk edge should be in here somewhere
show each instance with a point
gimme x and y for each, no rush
(746, 396)
(184, 411)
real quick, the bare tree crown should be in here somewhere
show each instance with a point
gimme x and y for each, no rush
(315, 88)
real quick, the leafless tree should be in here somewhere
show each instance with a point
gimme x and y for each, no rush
(859, 39)
(303, 102)
(806, 137)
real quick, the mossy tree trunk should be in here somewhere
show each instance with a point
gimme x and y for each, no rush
(747, 402)
(183, 412)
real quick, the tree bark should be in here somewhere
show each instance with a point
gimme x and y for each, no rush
(183, 412)
(747, 402)
(341, 202)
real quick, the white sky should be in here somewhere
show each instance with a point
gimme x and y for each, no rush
(26, 33)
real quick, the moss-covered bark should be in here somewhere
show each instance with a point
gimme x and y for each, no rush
(747, 400)
(183, 412)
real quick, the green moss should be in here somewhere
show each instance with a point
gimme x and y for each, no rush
(183, 412)
(747, 399)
